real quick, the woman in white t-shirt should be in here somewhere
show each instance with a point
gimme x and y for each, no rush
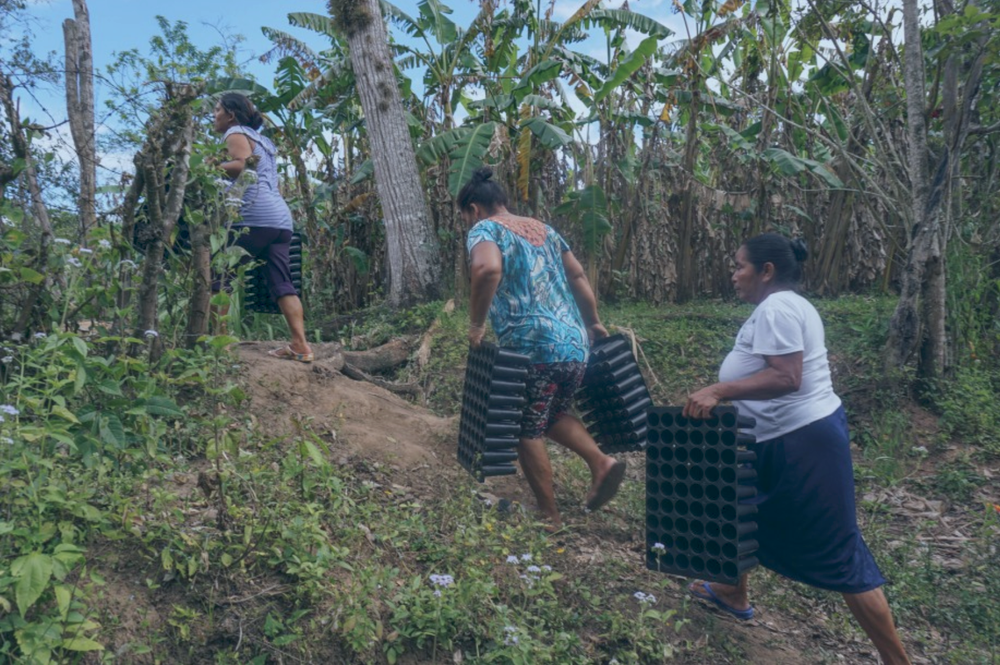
(778, 374)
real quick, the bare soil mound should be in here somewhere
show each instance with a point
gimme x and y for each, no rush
(359, 416)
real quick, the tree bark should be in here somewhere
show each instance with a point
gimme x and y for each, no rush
(414, 270)
(80, 106)
(905, 328)
(22, 149)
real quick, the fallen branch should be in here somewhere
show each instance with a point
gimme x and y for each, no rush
(388, 356)
(352, 372)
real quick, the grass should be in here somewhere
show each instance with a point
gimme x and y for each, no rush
(304, 559)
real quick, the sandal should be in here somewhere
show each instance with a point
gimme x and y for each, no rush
(286, 353)
(709, 595)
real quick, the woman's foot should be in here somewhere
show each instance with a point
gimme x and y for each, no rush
(605, 483)
(731, 599)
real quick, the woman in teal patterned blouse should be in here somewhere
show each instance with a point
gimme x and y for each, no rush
(540, 304)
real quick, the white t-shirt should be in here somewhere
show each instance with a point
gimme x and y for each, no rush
(783, 323)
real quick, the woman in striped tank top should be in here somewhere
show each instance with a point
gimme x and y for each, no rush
(265, 226)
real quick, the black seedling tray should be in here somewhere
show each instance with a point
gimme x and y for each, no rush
(257, 297)
(697, 478)
(614, 396)
(492, 400)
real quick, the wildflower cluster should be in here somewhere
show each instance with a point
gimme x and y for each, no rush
(644, 598)
(510, 636)
(532, 573)
(443, 581)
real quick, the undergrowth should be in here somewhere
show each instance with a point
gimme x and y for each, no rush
(146, 517)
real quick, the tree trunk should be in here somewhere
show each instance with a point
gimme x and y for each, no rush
(414, 268)
(905, 328)
(80, 106)
(201, 293)
(685, 252)
(22, 149)
(920, 325)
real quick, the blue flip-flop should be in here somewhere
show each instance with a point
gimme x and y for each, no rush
(709, 595)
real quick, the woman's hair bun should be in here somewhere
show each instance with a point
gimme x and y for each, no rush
(799, 249)
(482, 174)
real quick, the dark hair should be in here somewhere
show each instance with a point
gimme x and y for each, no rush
(241, 107)
(786, 255)
(482, 189)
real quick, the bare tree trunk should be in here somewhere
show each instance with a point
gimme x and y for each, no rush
(201, 264)
(917, 325)
(685, 269)
(414, 268)
(80, 106)
(23, 150)
(170, 140)
(905, 328)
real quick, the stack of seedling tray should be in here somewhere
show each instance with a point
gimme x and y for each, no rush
(492, 403)
(614, 397)
(257, 295)
(697, 480)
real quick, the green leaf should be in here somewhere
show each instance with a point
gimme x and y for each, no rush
(470, 150)
(110, 387)
(589, 208)
(365, 171)
(63, 597)
(158, 405)
(33, 573)
(80, 345)
(64, 413)
(112, 432)
(323, 24)
(31, 276)
(790, 164)
(627, 67)
(623, 18)
(80, 379)
(82, 644)
(310, 448)
(550, 135)
(543, 72)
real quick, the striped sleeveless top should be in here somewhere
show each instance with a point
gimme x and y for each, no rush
(262, 202)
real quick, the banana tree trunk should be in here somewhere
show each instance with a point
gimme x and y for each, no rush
(414, 268)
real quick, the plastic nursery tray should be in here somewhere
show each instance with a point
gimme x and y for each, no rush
(697, 481)
(257, 296)
(614, 396)
(492, 400)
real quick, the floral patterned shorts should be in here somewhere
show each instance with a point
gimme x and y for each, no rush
(551, 387)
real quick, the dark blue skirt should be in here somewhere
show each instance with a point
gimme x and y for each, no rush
(807, 524)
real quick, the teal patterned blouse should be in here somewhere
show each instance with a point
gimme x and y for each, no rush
(533, 311)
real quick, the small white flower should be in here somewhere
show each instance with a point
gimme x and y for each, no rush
(9, 410)
(547, 569)
(534, 569)
(510, 638)
(6, 440)
(104, 244)
(150, 334)
(659, 548)
(2, 420)
(73, 261)
(512, 559)
(7, 359)
(525, 557)
(40, 335)
(644, 598)
(61, 241)
(85, 250)
(442, 580)
(529, 580)
(437, 593)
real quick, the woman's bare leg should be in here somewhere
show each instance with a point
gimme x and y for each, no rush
(871, 609)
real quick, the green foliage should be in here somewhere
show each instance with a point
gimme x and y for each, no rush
(969, 407)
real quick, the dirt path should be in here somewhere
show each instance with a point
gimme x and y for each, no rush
(359, 419)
